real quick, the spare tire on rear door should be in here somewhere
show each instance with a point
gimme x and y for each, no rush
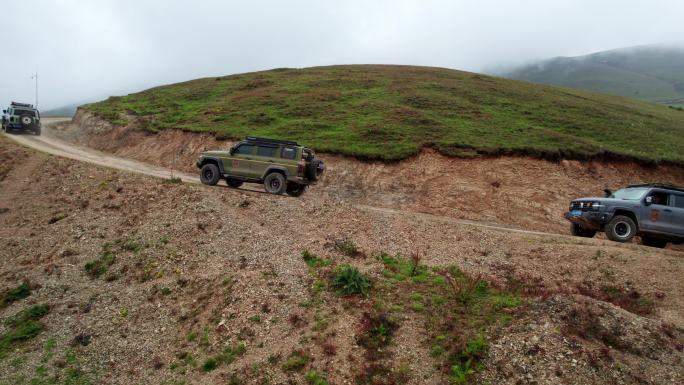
(314, 170)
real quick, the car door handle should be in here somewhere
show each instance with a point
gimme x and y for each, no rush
(248, 158)
(667, 210)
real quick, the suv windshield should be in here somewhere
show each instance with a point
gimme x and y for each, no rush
(630, 194)
(24, 112)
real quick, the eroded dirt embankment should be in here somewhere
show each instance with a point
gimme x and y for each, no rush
(520, 191)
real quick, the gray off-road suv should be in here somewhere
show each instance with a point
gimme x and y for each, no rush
(653, 211)
(21, 117)
(282, 166)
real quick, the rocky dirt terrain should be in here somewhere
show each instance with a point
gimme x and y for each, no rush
(155, 281)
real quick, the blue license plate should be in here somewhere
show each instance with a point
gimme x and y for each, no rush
(576, 213)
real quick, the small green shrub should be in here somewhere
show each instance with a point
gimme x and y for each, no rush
(468, 361)
(226, 357)
(347, 247)
(132, 245)
(313, 261)
(209, 365)
(348, 280)
(437, 351)
(23, 326)
(295, 361)
(315, 378)
(100, 265)
(460, 373)
(20, 292)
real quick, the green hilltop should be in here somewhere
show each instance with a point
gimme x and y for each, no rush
(392, 112)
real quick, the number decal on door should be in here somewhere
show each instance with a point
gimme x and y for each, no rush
(655, 215)
(236, 163)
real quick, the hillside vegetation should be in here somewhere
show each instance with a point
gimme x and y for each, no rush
(391, 112)
(653, 73)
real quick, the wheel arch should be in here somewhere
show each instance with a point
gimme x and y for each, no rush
(627, 213)
(278, 169)
(213, 160)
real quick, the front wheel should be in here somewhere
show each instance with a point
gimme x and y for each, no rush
(653, 242)
(621, 229)
(295, 189)
(209, 174)
(275, 183)
(580, 231)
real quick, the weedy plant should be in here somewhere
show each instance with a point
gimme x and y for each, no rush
(348, 280)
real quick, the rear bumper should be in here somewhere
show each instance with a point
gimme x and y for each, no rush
(588, 219)
(19, 126)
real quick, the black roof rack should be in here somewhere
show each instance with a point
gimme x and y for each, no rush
(270, 141)
(659, 185)
(15, 104)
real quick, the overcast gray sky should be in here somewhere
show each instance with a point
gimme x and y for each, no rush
(88, 49)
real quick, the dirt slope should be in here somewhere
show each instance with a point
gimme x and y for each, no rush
(520, 191)
(196, 269)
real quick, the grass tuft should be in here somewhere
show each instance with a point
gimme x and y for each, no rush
(348, 280)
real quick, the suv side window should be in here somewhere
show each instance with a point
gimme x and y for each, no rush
(244, 149)
(288, 153)
(660, 198)
(269, 152)
(679, 201)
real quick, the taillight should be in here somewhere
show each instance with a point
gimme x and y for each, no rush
(300, 169)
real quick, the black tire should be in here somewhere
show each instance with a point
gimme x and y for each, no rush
(209, 174)
(314, 170)
(37, 132)
(275, 183)
(580, 231)
(234, 183)
(653, 242)
(295, 189)
(621, 229)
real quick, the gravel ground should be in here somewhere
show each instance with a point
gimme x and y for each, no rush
(196, 269)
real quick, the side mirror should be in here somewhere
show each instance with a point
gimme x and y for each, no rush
(607, 193)
(4, 111)
(231, 151)
(648, 201)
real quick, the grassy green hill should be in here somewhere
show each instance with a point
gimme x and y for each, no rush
(653, 73)
(391, 112)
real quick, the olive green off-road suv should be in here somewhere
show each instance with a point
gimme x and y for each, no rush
(22, 117)
(282, 166)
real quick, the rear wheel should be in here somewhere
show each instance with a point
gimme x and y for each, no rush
(234, 183)
(295, 189)
(653, 242)
(37, 131)
(209, 174)
(275, 183)
(621, 229)
(580, 231)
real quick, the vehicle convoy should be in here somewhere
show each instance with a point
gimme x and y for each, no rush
(653, 211)
(21, 117)
(282, 166)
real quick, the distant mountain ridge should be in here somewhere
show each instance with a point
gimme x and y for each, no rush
(654, 73)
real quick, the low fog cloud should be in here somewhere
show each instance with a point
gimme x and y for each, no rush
(85, 50)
